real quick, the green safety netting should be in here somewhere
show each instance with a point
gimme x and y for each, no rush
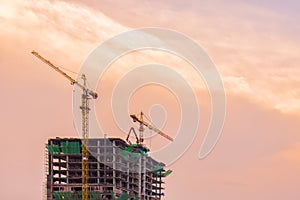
(126, 152)
(112, 195)
(53, 149)
(158, 168)
(56, 195)
(128, 149)
(143, 153)
(136, 145)
(93, 195)
(134, 157)
(63, 195)
(124, 196)
(66, 148)
(167, 173)
(70, 147)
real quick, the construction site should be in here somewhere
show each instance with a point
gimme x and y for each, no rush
(116, 170)
(101, 168)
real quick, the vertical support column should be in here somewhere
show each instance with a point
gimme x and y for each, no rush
(85, 132)
(160, 185)
(104, 161)
(114, 163)
(59, 172)
(46, 173)
(128, 173)
(98, 163)
(143, 176)
(67, 173)
(140, 177)
(85, 154)
(51, 174)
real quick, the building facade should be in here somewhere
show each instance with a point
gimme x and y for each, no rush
(117, 170)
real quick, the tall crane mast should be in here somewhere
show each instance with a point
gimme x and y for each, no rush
(143, 123)
(86, 96)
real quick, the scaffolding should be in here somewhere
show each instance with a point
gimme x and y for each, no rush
(117, 170)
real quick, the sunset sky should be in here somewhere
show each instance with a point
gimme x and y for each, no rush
(255, 46)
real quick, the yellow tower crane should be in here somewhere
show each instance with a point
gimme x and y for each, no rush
(85, 97)
(143, 123)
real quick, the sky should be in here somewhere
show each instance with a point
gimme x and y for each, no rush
(254, 45)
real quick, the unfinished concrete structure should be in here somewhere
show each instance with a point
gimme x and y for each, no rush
(117, 170)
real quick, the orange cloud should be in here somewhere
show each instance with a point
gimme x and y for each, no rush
(271, 78)
(290, 155)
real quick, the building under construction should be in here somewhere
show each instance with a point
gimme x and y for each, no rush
(116, 170)
(106, 168)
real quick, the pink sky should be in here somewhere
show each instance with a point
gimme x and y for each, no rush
(254, 45)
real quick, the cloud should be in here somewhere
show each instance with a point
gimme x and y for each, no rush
(56, 28)
(290, 155)
(255, 58)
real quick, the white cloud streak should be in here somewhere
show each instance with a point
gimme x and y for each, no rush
(261, 66)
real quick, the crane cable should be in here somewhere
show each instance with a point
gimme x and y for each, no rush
(68, 70)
